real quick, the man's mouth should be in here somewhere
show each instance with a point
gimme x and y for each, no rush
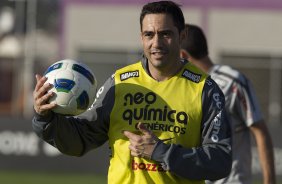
(158, 53)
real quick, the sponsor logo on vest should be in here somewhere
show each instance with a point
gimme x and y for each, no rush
(164, 128)
(192, 76)
(148, 113)
(147, 166)
(216, 128)
(128, 75)
(216, 98)
(99, 92)
(209, 82)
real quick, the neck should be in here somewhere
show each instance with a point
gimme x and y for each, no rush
(161, 74)
(204, 63)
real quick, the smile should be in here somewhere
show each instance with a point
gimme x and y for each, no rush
(158, 52)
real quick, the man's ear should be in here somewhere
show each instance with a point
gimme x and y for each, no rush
(184, 54)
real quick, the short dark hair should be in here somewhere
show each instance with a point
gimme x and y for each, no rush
(166, 7)
(195, 42)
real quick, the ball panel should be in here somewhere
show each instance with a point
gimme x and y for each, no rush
(80, 69)
(63, 85)
(74, 84)
(53, 67)
(83, 101)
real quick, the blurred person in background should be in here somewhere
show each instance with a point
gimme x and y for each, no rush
(182, 138)
(243, 110)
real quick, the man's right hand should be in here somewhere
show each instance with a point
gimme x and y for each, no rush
(41, 96)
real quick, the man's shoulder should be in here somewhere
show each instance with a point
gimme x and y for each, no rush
(226, 72)
(193, 73)
(129, 71)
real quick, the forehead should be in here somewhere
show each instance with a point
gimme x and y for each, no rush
(157, 22)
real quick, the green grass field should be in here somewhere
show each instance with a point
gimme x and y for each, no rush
(50, 178)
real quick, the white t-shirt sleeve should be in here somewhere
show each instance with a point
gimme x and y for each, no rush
(245, 105)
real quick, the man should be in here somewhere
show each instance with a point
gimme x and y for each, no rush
(157, 132)
(242, 107)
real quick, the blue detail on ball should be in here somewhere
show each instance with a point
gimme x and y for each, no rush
(53, 67)
(80, 69)
(83, 101)
(63, 85)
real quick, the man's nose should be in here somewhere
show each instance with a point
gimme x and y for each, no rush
(157, 40)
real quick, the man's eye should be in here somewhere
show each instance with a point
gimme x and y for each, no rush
(166, 34)
(148, 35)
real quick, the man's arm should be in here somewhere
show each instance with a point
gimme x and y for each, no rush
(265, 151)
(247, 108)
(76, 135)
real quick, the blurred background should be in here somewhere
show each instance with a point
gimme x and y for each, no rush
(246, 34)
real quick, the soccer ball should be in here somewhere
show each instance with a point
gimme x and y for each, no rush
(74, 85)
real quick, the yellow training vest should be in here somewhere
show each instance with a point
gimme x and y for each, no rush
(171, 109)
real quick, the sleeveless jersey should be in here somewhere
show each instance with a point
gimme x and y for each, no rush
(172, 109)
